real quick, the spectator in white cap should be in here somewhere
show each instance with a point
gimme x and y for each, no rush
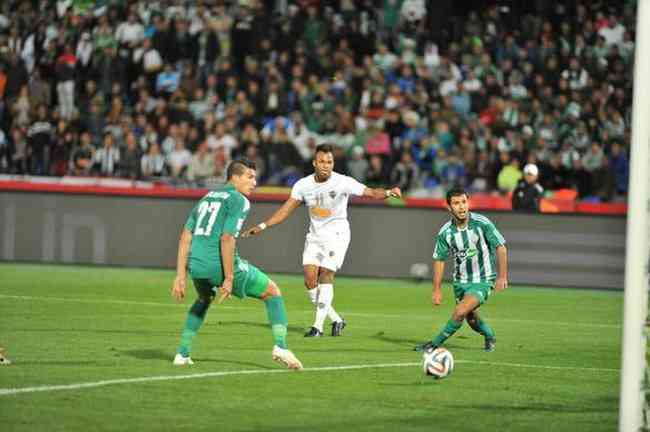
(528, 192)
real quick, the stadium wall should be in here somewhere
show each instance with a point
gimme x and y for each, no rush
(560, 250)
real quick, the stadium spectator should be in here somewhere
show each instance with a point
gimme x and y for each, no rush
(40, 136)
(83, 156)
(201, 166)
(107, 157)
(509, 175)
(130, 165)
(179, 159)
(556, 81)
(528, 192)
(405, 174)
(5, 153)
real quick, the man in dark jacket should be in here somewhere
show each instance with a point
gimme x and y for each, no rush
(528, 192)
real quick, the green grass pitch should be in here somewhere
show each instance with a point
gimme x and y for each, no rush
(556, 367)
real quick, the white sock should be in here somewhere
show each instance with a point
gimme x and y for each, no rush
(322, 306)
(331, 313)
(313, 295)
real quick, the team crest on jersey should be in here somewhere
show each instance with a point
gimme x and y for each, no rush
(332, 194)
(331, 254)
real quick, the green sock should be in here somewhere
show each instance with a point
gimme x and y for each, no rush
(450, 328)
(482, 328)
(485, 329)
(277, 316)
(193, 323)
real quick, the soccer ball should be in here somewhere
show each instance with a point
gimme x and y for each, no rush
(438, 363)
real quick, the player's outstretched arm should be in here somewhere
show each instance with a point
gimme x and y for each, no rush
(438, 271)
(277, 218)
(380, 193)
(502, 262)
(178, 289)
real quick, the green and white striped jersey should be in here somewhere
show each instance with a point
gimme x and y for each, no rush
(473, 249)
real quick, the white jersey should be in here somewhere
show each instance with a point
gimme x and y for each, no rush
(327, 202)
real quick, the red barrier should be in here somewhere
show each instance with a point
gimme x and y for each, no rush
(119, 187)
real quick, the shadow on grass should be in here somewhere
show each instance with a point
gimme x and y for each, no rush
(265, 326)
(167, 356)
(408, 342)
(148, 354)
(270, 364)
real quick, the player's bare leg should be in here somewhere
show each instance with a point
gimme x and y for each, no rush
(482, 328)
(326, 297)
(277, 315)
(311, 283)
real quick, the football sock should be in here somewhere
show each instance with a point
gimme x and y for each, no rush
(450, 328)
(277, 316)
(331, 313)
(324, 303)
(481, 327)
(313, 295)
(193, 323)
(486, 330)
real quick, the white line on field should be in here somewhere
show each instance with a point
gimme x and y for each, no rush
(359, 314)
(93, 384)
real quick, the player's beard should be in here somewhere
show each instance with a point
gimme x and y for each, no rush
(458, 219)
(323, 176)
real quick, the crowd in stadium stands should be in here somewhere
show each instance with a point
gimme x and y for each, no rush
(173, 90)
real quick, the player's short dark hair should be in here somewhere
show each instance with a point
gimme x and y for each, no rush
(456, 191)
(238, 167)
(324, 148)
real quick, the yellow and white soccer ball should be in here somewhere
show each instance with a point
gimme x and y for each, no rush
(437, 363)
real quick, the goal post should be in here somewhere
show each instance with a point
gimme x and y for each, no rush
(636, 251)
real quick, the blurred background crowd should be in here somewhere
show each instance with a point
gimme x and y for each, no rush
(412, 93)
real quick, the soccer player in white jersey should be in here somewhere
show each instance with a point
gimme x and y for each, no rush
(473, 241)
(326, 194)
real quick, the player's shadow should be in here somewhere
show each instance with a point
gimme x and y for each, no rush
(158, 354)
(234, 362)
(410, 343)
(148, 354)
(290, 329)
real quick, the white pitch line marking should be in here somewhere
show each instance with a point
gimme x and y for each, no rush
(103, 383)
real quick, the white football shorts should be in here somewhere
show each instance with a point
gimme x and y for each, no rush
(326, 250)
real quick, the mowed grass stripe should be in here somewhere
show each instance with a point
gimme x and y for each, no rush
(78, 386)
(357, 314)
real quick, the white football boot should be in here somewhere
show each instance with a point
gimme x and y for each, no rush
(179, 360)
(286, 357)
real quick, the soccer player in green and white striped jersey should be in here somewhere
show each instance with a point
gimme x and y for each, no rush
(480, 265)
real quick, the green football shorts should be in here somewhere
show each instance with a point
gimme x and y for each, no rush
(249, 281)
(479, 290)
